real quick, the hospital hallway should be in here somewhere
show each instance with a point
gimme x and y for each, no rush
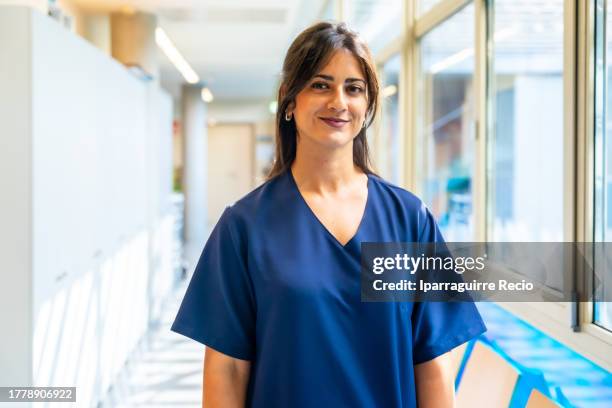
(131, 128)
(165, 372)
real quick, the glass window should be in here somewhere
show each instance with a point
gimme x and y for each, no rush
(377, 21)
(423, 6)
(445, 127)
(389, 157)
(603, 161)
(328, 12)
(525, 157)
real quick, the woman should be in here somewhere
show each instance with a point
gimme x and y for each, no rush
(275, 296)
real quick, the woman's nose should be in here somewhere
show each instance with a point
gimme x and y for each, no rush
(337, 101)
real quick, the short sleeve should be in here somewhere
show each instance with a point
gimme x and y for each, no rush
(218, 309)
(438, 327)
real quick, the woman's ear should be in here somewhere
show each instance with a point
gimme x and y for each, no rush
(290, 108)
(281, 95)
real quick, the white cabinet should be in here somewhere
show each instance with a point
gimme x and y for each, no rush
(78, 206)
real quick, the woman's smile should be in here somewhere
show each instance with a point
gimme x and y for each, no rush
(336, 123)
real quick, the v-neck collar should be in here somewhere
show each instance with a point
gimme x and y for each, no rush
(317, 220)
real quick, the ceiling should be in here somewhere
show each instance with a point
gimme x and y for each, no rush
(235, 46)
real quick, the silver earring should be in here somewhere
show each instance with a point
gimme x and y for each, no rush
(364, 124)
(287, 116)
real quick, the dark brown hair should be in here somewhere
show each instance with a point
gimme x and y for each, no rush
(307, 55)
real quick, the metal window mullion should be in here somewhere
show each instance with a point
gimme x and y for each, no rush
(479, 178)
(407, 97)
(342, 10)
(570, 134)
(395, 46)
(599, 129)
(591, 124)
(586, 108)
(438, 13)
(595, 161)
(570, 108)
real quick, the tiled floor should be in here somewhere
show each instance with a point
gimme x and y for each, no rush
(167, 374)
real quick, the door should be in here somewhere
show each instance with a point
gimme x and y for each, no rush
(230, 166)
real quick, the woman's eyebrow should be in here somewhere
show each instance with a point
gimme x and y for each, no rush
(331, 78)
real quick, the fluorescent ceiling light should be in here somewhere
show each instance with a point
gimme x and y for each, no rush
(207, 96)
(175, 56)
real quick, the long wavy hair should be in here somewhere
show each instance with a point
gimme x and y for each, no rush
(308, 54)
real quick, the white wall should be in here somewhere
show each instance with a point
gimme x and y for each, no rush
(41, 5)
(89, 161)
(15, 191)
(160, 181)
(239, 112)
(86, 182)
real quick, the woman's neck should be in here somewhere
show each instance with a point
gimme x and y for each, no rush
(325, 170)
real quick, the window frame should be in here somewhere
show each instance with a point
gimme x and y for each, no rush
(574, 328)
(593, 108)
(424, 24)
(569, 323)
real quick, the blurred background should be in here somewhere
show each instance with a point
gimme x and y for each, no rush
(127, 126)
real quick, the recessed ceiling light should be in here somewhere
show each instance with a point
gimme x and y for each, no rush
(207, 96)
(166, 45)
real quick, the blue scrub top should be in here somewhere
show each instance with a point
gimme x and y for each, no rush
(275, 287)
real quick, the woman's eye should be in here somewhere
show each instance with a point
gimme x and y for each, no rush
(319, 85)
(355, 89)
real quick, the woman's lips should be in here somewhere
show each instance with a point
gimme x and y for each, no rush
(335, 123)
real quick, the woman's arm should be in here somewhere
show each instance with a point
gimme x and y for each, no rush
(435, 383)
(225, 380)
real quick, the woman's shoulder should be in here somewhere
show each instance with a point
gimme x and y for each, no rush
(394, 193)
(407, 209)
(259, 202)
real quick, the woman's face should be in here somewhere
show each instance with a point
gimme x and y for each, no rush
(331, 108)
